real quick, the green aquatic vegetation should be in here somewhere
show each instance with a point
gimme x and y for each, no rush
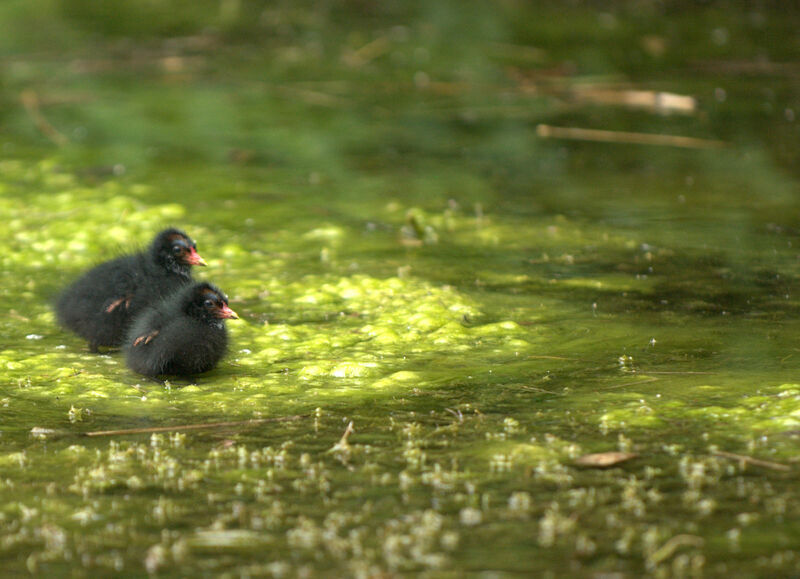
(451, 309)
(770, 410)
(260, 501)
(380, 325)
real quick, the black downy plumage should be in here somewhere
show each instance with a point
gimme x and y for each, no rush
(101, 304)
(184, 334)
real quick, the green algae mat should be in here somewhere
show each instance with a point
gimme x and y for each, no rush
(518, 289)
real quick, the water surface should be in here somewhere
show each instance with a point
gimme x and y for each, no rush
(442, 311)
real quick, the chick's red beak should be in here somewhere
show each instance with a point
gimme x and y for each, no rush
(226, 312)
(194, 258)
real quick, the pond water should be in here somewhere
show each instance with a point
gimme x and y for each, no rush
(452, 288)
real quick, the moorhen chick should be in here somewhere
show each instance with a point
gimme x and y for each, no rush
(184, 334)
(100, 305)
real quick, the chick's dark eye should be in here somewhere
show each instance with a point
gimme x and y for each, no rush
(209, 303)
(177, 249)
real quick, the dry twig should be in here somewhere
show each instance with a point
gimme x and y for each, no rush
(201, 426)
(30, 100)
(580, 134)
(754, 461)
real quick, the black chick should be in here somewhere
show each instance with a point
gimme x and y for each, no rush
(100, 305)
(184, 334)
